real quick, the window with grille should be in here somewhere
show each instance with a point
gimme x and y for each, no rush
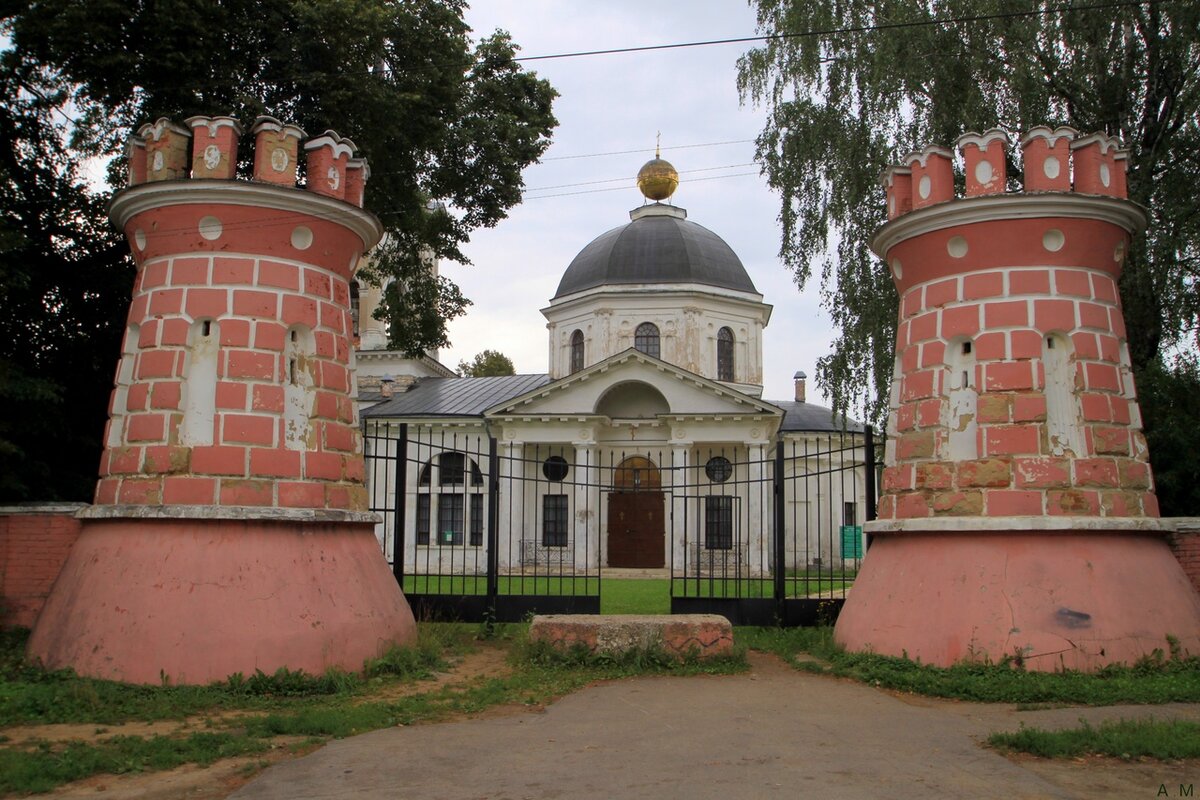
(423, 519)
(718, 522)
(476, 520)
(554, 520)
(576, 351)
(725, 354)
(450, 519)
(645, 339)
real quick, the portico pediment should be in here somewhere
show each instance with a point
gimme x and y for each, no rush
(632, 386)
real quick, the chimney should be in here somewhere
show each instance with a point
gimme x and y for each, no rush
(800, 378)
(387, 386)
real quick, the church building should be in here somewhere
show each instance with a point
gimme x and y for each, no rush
(647, 445)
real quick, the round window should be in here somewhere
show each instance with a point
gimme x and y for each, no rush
(554, 468)
(718, 469)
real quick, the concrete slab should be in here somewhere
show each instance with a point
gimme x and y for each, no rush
(773, 733)
(678, 635)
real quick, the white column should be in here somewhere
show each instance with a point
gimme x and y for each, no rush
(752, 543)
(585, 513)
(676, 514)
(511, 502)
(371, 334)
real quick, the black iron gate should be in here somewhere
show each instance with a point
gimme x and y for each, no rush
(477, 529)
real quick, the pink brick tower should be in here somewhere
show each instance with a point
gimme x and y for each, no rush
(1018, 516)
(229, 531)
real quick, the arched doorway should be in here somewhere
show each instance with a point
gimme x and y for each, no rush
(636, 535)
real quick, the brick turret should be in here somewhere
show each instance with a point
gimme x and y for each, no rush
(1018, 509)
(231, 486)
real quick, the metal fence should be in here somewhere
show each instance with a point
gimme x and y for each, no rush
(478, 529)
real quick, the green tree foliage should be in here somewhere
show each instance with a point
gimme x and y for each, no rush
(447, 126)
(487, 364)
(842, 106)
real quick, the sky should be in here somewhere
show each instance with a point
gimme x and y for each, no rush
(614, 103)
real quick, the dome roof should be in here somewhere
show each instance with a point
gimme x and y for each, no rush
(658, 246)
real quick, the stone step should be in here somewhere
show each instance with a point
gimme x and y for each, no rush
(679, 635)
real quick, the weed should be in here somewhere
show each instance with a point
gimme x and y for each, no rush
(1160, 739)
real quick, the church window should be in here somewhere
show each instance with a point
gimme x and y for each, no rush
(718, 522)
(457, 506)
(725, 355)
(576, 351)
(554, 520)
(645, 339)
(718, 469)
(555, 468)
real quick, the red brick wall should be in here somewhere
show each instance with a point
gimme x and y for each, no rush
(1185, 543)
(34, 543)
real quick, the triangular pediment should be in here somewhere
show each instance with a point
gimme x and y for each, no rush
(632, 385)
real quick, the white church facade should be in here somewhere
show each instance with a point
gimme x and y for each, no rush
(646, 445)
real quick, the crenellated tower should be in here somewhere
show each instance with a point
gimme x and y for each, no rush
(231, 504)
(1018, 516)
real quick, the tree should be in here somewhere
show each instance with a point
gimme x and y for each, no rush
(447, 128)
(842, 106)
(487, 364)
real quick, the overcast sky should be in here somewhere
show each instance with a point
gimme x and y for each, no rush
(618, 103)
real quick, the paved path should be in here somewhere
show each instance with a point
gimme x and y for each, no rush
(772, 733)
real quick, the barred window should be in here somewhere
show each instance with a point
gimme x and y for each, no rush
(718, 522)
(554, 520)
(476, 520)
(645, 339)
(450, 519)
(576, 351)
(423, 519)
(725, 354)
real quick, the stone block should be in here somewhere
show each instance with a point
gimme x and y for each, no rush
(680, 635)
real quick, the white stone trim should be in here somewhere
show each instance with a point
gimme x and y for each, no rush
(989, 208)
(246, 513)
(1018, 525)
(135, 200)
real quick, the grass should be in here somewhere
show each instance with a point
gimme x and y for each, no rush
(1157, 678)
(631, 596)
(1127, 739)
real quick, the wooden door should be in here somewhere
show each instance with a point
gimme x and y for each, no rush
(636, 536)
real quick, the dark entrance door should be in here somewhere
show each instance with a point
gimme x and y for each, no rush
(635, 530)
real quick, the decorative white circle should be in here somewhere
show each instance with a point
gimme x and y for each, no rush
(957, 246)
(156, 163)
(212, 156)
(924, 187)
(754, 433)
(1051, 167)
(1104, 176)
(279, 159)
(1053, 240)
(210, 228)
(584, 434)
(139, 239)
(1119, 252)
(302, 237)
(983, 172)
(897, 269)
(334, 177)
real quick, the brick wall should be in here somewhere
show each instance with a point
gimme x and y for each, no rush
(1185, 544)
(34, 543)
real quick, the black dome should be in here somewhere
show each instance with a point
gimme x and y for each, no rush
(658, 246)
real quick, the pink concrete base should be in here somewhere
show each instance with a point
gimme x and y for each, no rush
(1057, 599)
(196, 600)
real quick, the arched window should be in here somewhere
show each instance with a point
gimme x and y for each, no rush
(447, 497)
(645, 339)
(576, 351)
(725, 355)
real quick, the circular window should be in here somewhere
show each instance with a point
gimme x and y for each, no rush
(718, 469)
(554, 468)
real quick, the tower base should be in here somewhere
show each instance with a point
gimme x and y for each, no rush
(195, 594)
(1053, 594)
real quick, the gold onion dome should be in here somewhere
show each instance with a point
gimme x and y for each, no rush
(657, 179)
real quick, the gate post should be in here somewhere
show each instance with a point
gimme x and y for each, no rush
(780, 535)
(398, 521)
(493, 525)
(869, 457)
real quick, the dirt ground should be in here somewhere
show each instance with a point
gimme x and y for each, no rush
(1082, 778)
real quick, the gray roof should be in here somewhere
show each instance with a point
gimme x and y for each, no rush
(808, 417)
(455, 397)
(656, 249)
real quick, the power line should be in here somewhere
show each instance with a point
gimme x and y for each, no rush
(633, 177)
(624, 188)
(645, 149)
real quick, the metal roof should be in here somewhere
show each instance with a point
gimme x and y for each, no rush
(455, 397)
(656, 249)
(808, 417)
